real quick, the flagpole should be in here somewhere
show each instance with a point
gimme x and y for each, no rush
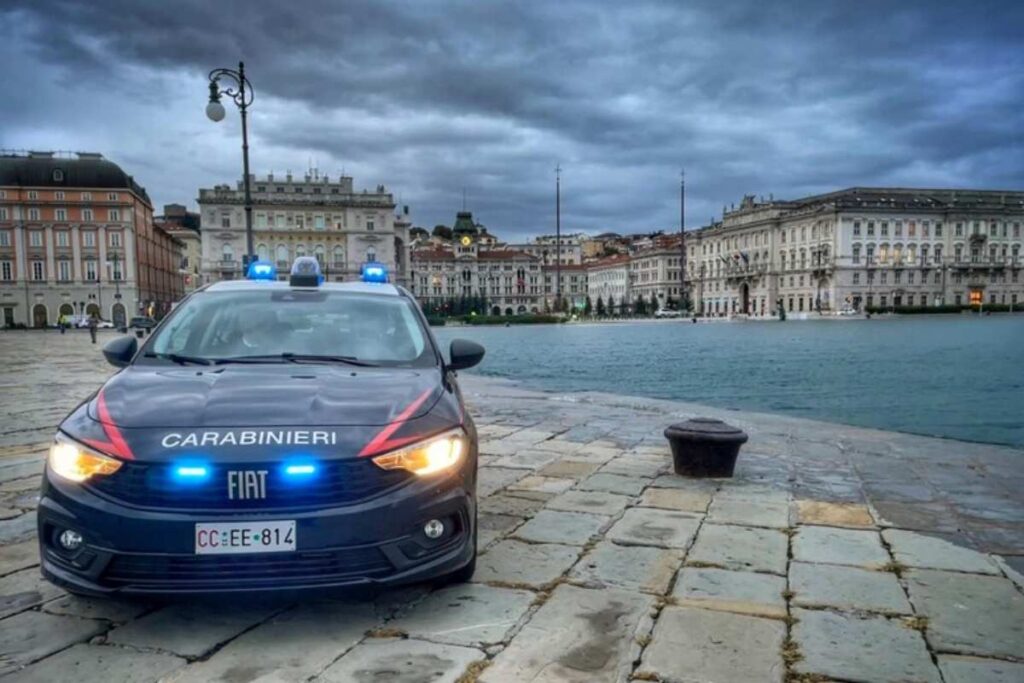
(683, 299)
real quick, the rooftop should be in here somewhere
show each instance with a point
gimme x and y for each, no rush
(85, 170)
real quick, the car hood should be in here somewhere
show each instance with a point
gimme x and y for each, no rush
(286, 395)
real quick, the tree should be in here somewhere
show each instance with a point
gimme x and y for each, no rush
(670, 303)
(417, 231)
(600, 307)
(611, 305)
(588, 307)
(639, 306)
(442, 231)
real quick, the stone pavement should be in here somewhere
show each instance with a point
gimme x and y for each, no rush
(836, 553)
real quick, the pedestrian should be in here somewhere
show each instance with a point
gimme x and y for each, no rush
(62, 322)
(94, 322)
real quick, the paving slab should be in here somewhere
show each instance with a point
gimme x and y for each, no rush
(681, 500)
(860, 648)
(637, 568)
(740, 547)
(525, 459)
(594, 502)
(731, 591)
(964, 669)
(25, 589)
(926, 552)
(768, 513)
(846, 588)
(636, 466)
(557, 526)
(614, 483)
(823, 513)
(30, 636)
(291, 646)
(491, 479)
(829, 545)
(516, 563)
(598, 454)
(969, 613)
(655, 527)
(691, 644)
(503, 504)
(470, 614)
(677, 481)
(190, 629)
(110, 609)
(18, 528)
(578, 635)
(401, 661)
(99, 663)
(736, 490)
(569, 469)
(537, 484)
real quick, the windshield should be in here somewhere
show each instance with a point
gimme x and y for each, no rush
(275, 324)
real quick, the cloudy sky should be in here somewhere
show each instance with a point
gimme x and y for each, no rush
(788, 98)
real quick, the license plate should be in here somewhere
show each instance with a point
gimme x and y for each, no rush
(245, 537)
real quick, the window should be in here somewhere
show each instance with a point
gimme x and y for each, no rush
(1016, 229)
(885, 228)
(282, 253)
(113, 214)
(898, 229)
(6, 271)
(64, 270)
(89, 238)
(227, 253)
(3, 213)
(33, 214)
(87, 196)
(318, 223)
(90, 270)
(959, 230)
(911, 229)
(262, 252)
(115, 238)
(938, 229)
(32, 194)
(856, 253)
(60, 215)
(856, 278)
(225, 220)
(37, 270)
(369, 225)
(5, 238)
(61, 237)
(371, 254)
(280, 221)
(35, 238)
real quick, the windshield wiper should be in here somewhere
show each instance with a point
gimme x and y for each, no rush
(296, 358)
(178, 358)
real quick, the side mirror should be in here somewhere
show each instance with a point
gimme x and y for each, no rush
(119, 352)
(464, 354)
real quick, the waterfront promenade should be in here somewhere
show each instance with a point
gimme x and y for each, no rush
(836, 553)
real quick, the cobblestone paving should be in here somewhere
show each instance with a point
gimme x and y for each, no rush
(836, 553)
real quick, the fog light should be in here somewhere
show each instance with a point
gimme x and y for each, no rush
(70, 540)
(433, 529)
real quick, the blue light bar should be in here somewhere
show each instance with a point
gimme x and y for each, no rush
(306, 272)
(261, 270)
(190, 472)
(296, 470)
(375, 272)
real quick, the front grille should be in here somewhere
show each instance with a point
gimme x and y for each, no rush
(336, 482)
(191, 571)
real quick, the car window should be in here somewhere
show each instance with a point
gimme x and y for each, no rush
(368, 327)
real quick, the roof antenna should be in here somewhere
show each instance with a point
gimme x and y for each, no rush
(463, 198)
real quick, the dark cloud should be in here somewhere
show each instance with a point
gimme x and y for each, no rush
(430, 98)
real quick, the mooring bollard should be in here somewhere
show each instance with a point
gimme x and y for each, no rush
(705, 447)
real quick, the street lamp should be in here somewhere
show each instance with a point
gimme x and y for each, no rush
(241, 93)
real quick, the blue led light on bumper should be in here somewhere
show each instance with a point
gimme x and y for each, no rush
(375, 272)
(261, 270)
(190, 472)
(299, 470)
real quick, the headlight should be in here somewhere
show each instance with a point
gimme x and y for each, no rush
(431, 455)
(75, 462)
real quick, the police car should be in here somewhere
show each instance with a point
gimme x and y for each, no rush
(268, 435)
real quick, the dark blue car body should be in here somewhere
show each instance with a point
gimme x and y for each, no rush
(356, 524)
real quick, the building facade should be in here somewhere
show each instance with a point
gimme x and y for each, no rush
(860, 247)
(77, 237)
(184, 225)
(303, 216)
(608, 279)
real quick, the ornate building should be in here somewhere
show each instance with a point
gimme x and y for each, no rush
(860, 247)
(77, 237)
(307, 216)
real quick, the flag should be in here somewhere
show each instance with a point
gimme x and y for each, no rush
(746, 259)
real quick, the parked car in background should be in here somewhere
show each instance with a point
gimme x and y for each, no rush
(142, 322)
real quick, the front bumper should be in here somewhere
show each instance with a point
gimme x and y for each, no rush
(135, 551)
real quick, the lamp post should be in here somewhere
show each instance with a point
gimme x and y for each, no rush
(241, 93)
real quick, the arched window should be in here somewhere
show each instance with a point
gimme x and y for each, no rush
(227, 253)
(282, 253)
(371, 254)
(300, 250)
(339, 256)
(262, 252)
(318, 251)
